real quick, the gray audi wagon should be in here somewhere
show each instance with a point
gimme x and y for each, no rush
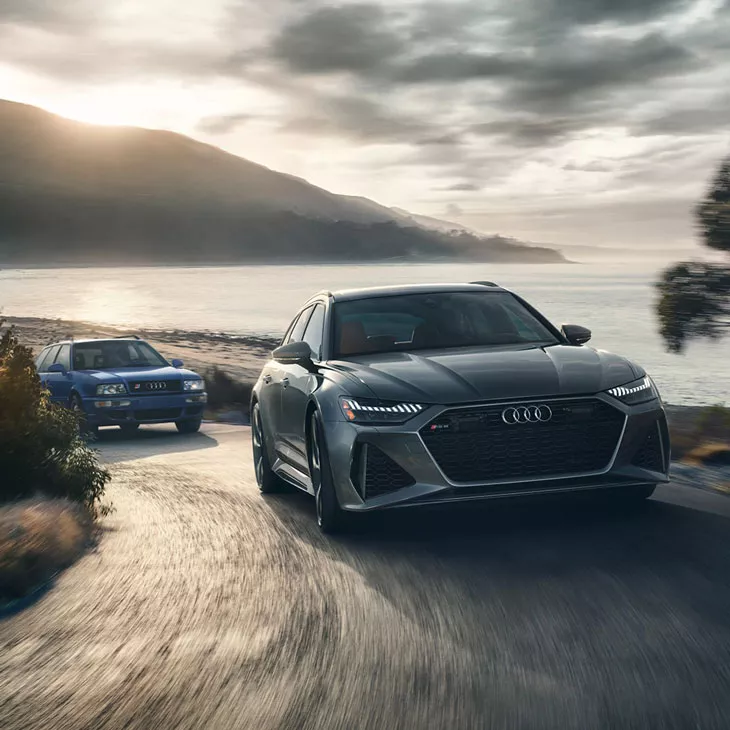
(402, 396)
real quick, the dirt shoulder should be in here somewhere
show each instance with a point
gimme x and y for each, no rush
(38, 538)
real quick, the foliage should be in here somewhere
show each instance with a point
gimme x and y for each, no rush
(41, 450)
(695, 296)
(223, 391)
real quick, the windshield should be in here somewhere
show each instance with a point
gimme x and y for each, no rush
(435, 321)
(116, 354)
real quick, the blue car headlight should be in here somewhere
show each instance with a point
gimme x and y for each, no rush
(361, 410)
(638, 391)
(189, 385)
(111, 389)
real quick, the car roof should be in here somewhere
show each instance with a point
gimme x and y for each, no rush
(95, 339)
(345, 295)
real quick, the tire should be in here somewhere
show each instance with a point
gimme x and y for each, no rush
(188, 426)
(77, 407)
(267, 481)
(330, 516)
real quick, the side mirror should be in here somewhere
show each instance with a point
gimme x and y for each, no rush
(177, 363)
(575, 334)
(57, 368)
(295, 353)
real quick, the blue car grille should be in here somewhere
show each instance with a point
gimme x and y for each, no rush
(154, 387)
(579, 436)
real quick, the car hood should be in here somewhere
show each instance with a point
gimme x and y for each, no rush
(479, 374)
(150, 373)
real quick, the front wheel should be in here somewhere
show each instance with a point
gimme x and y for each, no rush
(267, 481)
(188, 426)
(330, 517)
(77, 407)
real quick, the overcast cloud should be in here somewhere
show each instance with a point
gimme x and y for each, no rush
(545, 119)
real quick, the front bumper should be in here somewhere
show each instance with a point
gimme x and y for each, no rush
(426, 483)
(127, 410)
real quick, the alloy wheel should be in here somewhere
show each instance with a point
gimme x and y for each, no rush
(257, 438)
(315, 458)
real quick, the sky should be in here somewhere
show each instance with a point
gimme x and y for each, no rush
(595, 122)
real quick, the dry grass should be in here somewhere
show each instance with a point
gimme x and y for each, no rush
(699, 434)
(37, 539)
(707, 454)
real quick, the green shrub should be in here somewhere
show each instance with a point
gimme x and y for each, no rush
(41, 451)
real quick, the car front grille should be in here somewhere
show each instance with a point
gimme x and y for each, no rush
(576, 436)
(649, 455)
(155, 387)
(158, 414)
(375, 473)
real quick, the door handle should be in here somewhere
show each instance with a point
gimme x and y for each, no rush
(267, 379)
(285, 382)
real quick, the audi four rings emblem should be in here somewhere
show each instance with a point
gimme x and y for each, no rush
(156, 386)
(527, 414)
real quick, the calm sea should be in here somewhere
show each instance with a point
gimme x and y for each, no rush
(615, 301)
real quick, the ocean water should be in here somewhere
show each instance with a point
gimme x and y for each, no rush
(614, 300)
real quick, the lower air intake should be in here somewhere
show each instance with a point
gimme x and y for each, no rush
(649, 456)
(379, 474)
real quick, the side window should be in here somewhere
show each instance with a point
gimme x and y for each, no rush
(41, 357)
(64, 356)
(298, 329)
(287, 337)
(49, 358)
(314, 332)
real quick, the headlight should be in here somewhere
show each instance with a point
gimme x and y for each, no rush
(375, 411)
(638, 391)
(193, 384)
(111, 389)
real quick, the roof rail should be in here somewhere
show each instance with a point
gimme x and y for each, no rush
(484, 283)
(127, 337)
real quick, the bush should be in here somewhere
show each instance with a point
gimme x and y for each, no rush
(41, 450)
(224, 391)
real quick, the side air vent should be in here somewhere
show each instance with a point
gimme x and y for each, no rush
(649, 455)
(375, 473)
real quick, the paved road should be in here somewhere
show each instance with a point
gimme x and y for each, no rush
(208, 606)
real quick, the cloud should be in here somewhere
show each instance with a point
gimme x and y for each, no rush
(592, 12)
(339, 38)
(453, 210)
(223, 124)
(354, 117)
(49, 14)
(462, 187)
(594, 166)
(710, 118)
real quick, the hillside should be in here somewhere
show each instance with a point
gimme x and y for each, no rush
(79, 193)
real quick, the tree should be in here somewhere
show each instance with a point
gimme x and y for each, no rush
(695, 296)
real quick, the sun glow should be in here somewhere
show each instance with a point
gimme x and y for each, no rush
(106, 112)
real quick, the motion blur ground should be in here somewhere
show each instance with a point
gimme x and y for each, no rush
(208, 606)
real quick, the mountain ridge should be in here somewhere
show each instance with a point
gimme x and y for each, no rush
(75, 192)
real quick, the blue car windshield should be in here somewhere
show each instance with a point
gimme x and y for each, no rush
(435, 321)
(114, 354)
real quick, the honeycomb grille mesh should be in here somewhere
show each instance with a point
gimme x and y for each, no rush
(475, 444)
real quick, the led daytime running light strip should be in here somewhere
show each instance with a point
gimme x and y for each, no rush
(623, 391)
(402, 408)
